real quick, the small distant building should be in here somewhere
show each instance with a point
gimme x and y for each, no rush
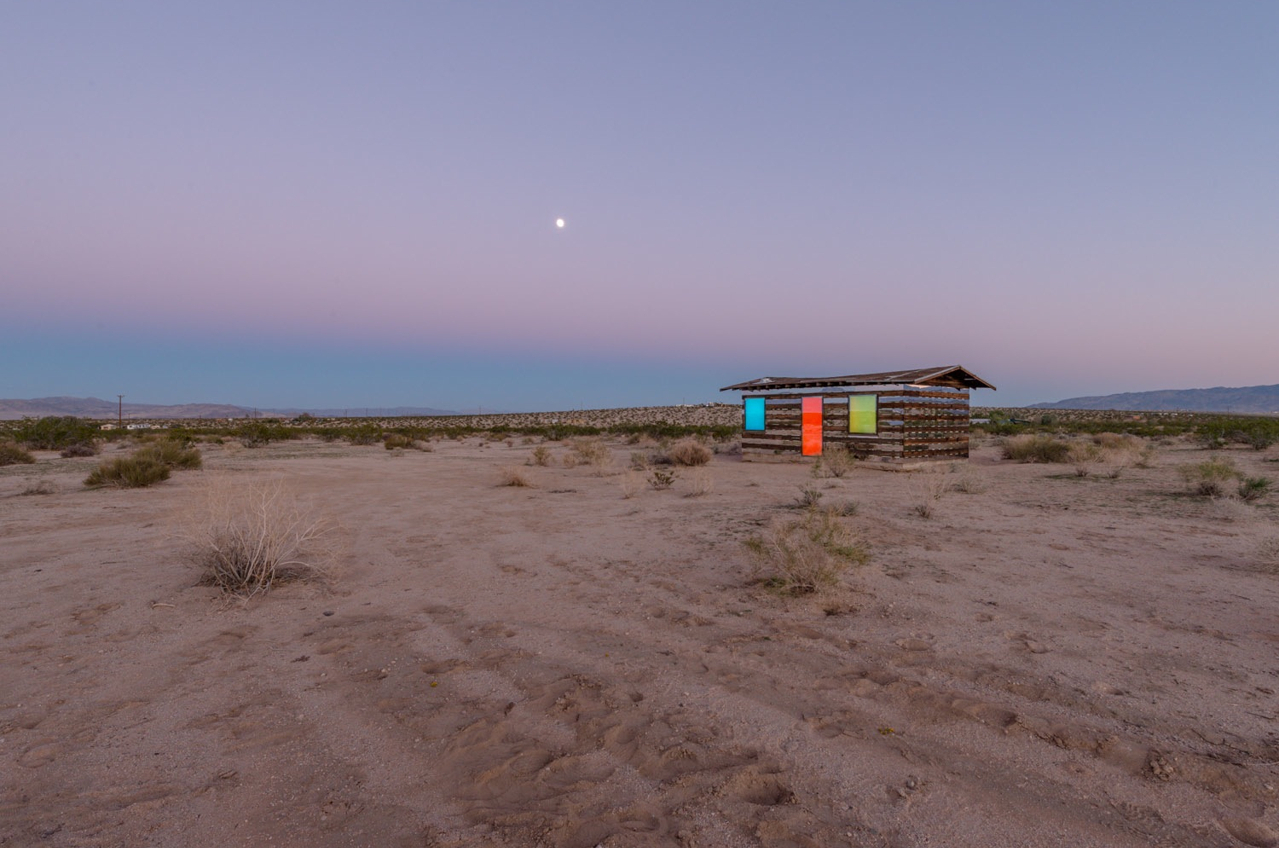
(896, 417)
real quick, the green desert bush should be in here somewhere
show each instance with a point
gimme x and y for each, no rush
(13, 454)
(248, 537)
(256, 434)
(1257, 432)
(1209, 478)
(55, 432)
(689, 452)
(1259, 439)
(662, 479)
(363, 434)
(1036, 447)
(1254, 488)
(805, 555)
(147, 465)
(172, 453)
(128, 472)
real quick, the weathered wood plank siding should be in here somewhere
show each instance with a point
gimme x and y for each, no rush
(913, 424)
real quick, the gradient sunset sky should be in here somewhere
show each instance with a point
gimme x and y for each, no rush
(321, 204)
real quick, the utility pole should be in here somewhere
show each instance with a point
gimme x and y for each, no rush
(121, 410)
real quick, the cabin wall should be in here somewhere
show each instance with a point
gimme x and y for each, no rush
(912, 424)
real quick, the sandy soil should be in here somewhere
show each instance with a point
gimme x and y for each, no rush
(1050, 661)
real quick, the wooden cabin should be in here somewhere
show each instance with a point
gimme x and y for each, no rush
(896, 417)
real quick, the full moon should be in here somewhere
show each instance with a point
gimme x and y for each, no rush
(559, 222)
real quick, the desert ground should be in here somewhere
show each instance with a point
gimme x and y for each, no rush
(1044, 660)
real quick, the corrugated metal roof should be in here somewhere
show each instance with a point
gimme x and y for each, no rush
(950, 375)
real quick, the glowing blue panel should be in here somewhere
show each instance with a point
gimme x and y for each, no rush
(754, 413)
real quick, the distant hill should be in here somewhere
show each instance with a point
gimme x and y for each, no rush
(1248, 399)
(97, 408)
(364, 412)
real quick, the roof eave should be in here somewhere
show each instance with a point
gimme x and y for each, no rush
(920, 376)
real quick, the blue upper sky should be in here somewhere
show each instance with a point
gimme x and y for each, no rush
(325, 204)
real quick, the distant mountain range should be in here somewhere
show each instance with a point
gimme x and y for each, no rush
(98, 408)
(1247, 399)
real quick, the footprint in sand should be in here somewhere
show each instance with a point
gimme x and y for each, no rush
(39, 755)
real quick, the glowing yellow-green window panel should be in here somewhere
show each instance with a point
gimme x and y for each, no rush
(863, 414)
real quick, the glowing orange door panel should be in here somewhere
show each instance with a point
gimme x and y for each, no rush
(811, 427)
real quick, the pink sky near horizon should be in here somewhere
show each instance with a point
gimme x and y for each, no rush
(1066, 200)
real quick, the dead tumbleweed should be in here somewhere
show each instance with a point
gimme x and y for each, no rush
(250, 536)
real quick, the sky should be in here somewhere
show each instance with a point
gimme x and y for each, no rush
(320, 204)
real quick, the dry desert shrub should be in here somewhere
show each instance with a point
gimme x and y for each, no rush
(13, 454)
(809, 498)
(846, 509)
(399, 440)
(1119, 442)
(640, 461)
(1035, 447)
(968, 483)
(247, 537)
(835, 462)
(570, 460)
(689, 452)
(593, 452)
(732, 447)
(928, 491)
(1084, 456)
(515, 477)
(1209, 478)
(541, 456)
(1117, 451)
(632, 482)
(1268, 555)
(40, 487)
(79, 449)
(1230, 510)
(701, 483)
(801, 556)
